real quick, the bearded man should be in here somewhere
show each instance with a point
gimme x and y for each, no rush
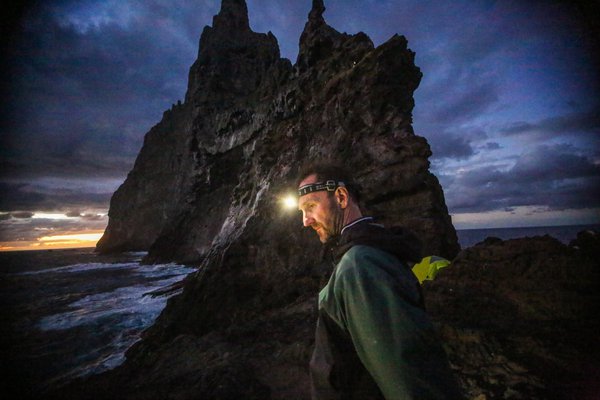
(373, 338)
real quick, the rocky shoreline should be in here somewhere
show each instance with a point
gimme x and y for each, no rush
(518, 320)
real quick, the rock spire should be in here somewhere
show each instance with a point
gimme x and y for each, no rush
(249, 120)
(233, 16)
(316, 13)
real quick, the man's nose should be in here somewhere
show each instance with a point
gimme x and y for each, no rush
(307, 220)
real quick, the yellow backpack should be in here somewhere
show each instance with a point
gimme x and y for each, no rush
(428, 268)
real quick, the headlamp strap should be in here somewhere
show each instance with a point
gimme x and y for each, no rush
(329, 186)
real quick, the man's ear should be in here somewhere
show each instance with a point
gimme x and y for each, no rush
(342, 196)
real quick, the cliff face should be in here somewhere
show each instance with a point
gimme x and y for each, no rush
(210, 174)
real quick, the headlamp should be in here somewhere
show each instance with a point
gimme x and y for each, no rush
(329, 186)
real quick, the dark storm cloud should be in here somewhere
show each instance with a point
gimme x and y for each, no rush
(90, 91)
(460, 105)
(581, 122)
(22, 215)
(555, 176)
(28, 197)
(32, 229)
(15, 197)
(69, 156)
(491, 146)
(451, 146)
(556, 162)
(93, 217)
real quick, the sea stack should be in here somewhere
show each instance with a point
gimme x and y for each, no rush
(207, 185)
(210, 172)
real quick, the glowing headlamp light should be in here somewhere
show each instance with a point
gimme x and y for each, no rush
(329, 186)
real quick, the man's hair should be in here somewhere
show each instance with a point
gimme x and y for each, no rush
(330, 171)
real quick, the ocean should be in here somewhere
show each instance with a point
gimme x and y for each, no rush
(72, 313)
(470, 237)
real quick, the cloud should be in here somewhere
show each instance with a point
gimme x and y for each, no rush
(556, 177)
(93, 217)
(286, 21)
(90, 78)
(464, 104)
(576, 122)
(15, 197)
(73, 214)
(32, 229)
(27, 196)
(491, 146)
(553, 162)
(446, 144)
(451, 146)
(22, 215)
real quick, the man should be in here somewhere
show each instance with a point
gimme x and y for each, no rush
(373, 338)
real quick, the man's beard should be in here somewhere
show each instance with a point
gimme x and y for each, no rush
(333, 225)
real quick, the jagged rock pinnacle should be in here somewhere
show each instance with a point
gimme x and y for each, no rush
(249, 115)
(233, 15)
(316, 13)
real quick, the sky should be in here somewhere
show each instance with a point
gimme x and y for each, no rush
(508, 102)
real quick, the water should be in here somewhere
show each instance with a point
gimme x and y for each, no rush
(71, 313)
(470, 237)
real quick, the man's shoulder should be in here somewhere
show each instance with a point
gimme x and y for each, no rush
(360, 251)
(360, 258)
(364, 268)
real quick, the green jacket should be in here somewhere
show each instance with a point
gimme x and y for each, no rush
(374, 339)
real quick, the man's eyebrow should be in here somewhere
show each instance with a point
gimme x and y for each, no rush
(308, 201)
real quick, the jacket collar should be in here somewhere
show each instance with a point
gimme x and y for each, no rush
(363, 231)
(351, 224)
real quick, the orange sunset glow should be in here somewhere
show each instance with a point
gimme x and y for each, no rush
(55, 242)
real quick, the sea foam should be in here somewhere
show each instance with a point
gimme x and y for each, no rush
(120, 314)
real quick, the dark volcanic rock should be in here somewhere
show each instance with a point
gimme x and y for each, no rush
(180, 190)
(213, 171)
(519, 319)
(250, 118)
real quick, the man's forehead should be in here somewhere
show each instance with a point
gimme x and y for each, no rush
(311, 197)
(312, 178)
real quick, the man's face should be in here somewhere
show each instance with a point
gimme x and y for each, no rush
(320, 212)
